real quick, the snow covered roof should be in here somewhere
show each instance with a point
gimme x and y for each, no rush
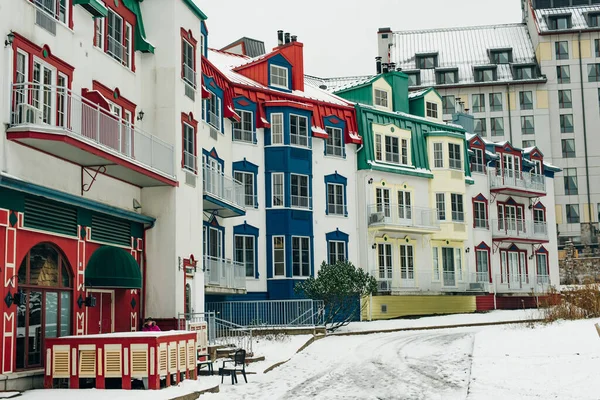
(579, 17)
(462, 48)
(337, 83)
(418, 93)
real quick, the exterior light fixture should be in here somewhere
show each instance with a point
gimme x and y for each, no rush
(140, 115)
(10, 38)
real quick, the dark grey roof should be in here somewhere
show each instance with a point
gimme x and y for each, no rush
(578, 15)
(253, 47)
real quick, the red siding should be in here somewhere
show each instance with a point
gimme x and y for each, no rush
(484, 303)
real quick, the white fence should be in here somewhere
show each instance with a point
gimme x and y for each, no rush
(224, 273)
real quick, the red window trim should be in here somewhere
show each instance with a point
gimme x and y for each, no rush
(70, 7)
(188, 36)
(487, 211)
(26, 46)
(535, 155)
(543, 250)
(543, 208)
(119, 100)
(128, 17)
(189, 120)
(484, 247)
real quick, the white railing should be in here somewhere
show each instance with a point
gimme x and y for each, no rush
(189, 161)
(54, 108)
(224, 273)
(481, 223)
(480, 168)
(517, 180)
(214, 120)
(300, 201)
(269, 313)
(336, 209)
(402, 216)
(50, 8)
(116, 49)
(189, 75)
(223, 187)
(518, 228)
(507, 282)
(243, 135)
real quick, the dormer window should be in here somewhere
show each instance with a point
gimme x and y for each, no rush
(446, 77)
(485, 74)
(381, 98)
(501, 56)
(524, 72)
(414, 78)
(593, 20)
(559, 22)
(279, 77)
(432, 110)
(427, 61)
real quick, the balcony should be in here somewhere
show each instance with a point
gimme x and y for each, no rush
(243, 135)
(400, 218)
(418, 282)
(521, 283)
(514, 230)
(58, 122)
(224, 276)
(223, 195)
(516, 183)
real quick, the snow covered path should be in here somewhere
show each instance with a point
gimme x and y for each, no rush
(404, 365)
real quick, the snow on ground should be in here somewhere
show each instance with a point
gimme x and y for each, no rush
(275, 348)
(443, 320)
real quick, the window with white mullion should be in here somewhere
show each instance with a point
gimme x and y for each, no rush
(277, 128)
(20, 89)
(335, 199)
(278, 256)
(337, 251)
(99, 33)
(480, 215)
(454, 156)
(57, 9)
(189, 148)
(247, 179)
(299, 192)
(213, 110)
(392, 152)
(458, 214)
(244, 253)
(189, 67)
(384, 260)
(277, 190)
(115, 36)
(482, 265)
(243, 130)
(335, 144)
(300, 256)
(298, 130)
(279, 77)
(438, 155)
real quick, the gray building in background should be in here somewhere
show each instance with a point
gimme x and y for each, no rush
(533, 83)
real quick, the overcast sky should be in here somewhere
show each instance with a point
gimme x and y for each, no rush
(340, 36)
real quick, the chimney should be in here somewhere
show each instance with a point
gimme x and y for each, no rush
(294, 38)
(279, 38)
(385, 67)
(392, 66)
(294, 53)
(378, 64)
(287, 38)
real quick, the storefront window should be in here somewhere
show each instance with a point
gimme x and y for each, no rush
(44, 276)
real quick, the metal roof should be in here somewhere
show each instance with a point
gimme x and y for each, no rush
(578, 15)
(462, 48)
(338, 83)
(253, 47)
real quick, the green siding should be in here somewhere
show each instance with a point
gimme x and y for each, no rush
(359, 94)
(141, 43)
(111, 230)
(417, 106)
(12, 200)
(47, 215)
(399, 83)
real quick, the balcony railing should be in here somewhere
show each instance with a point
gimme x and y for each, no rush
(52, 107)
(507, 282)
(300, 201)
(214, 120)
(223, 187)
(402, 216)
(516, 180)
(243, 135)
(517, 228)
(480, 168)
(224, 273)
(116, 49)
(481, 223)
(189, 75)
(189, 161)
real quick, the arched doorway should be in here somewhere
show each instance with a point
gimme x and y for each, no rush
(46, 279)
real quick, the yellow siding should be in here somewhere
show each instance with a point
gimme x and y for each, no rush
(558, 214)
(586, 213)
(512, 100)
(544, 52)
(399, 306)
(465, 99)
(585, 49)
(542, 99)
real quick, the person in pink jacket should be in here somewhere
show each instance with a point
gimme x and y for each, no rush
(150, 325)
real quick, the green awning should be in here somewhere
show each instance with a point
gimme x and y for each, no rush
(112, 267)
(94, 7)
(141, 43)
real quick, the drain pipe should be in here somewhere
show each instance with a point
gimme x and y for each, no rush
(510, 134)
(585, 146)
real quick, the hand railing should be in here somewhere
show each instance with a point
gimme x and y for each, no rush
(402, 215)
(224, 273)
(517, 180)
(222, 186)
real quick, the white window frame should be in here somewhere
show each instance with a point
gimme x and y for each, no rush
(455, 163)
(331, 149)
(245, 261)
(278, 73)
(274, 195)
(275, 250)
(299, 199)
(99, 34)
(302, 240)
(240, 133)
(438, 155)
(381, 98)
(440, 206)
(479, 207)
(407, 262)
(277, 127)
(184, 63)
(297, 138)
(187, 155)
(478, 267)
(459, 213)
(436, 263)
(337, 256)
(244, 175)
(217, 112)
(385, 270)
(478, 156)
(55, 13)
(335, 206)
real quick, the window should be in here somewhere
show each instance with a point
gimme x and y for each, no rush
(300, 256)
(447, 77)
(570, 179)
(458, 214)
(244, 253)
(334, 146)
(440, 205)
(432, 110)
(278, 190)
(485, 75)
(57, 9)
(501, 56)
(480, 127)
(593, 20)
(392, 149)
(528, 143)
(243, 131)
(454, 156)
(597, 47)
(477, 164)
(566, 123)
(337, 251)
(479, 103)
(335, 199)
(213, 111)
(564, 99)
(114, 36)
(527, 125)
(572, 213)
(381, 98)
(495, 101)
(279, 77)
(392, 154)
(449, 104)
(189, 148)
(299, 130)
(247, 179)
(497, 126)
(480, 215)
(562, 50)
(407, 267)
(563, 74)
(427, 61)
(299, 191)
(277, 128)
(542, 268)
(414, 78)
(526, 100)
(559, 22)
(188, 63)
(45, 278)
(524, 73)
(568, 148)
(379, 151)
(438, 155)
(384, 260)
(278, 256)
(482, 265)
(593, 72)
